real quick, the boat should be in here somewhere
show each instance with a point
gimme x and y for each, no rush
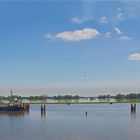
(14, 105)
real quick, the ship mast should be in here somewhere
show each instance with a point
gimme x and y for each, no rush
(11, 92)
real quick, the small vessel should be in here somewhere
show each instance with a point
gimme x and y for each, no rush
(14, 105)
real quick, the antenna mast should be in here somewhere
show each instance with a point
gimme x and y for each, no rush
(11, 92)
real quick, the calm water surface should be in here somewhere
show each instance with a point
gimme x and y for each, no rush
(63, 122)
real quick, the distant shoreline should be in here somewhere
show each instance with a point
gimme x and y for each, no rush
(68, 103)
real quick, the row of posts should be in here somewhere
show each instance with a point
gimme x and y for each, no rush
(133, 107)
(43, 108)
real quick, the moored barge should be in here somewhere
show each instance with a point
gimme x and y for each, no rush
(14, 105)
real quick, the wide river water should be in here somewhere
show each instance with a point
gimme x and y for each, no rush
(69, 122)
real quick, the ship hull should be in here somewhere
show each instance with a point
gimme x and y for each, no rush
(13, 108)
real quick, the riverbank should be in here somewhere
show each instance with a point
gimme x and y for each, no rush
(68, 103)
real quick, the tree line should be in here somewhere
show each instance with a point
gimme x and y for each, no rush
(64, 97)
(121, 96)
(69, 97)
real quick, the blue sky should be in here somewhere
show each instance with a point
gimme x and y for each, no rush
(69, 47)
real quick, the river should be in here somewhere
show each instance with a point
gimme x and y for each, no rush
(70, 122)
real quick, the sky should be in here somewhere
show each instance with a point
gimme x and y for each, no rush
(69, 47)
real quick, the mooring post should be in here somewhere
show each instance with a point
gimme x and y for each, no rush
(133, 107)
(44, 108)
(86, 113)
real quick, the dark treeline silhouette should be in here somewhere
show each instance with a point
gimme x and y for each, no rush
(121, 96)
(22, 98)
(42, 97)
(37, 97)
(131, 96)
(128, 96)
(104, 97)
(64, 97)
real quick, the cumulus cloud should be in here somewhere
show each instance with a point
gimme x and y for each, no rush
(118, 30)
(76, 35)
(108, 35)
(103, 20)
(134, 57)
(124, 38)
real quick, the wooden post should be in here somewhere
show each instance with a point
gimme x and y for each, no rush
(42, 108)
(133, 107)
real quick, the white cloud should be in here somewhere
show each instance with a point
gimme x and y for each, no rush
(76, 20)
(108, 35)
(134, 57)
(119, 16)
(118, 30)
(121, 36)
(76, 35)
(124, 38)
(103, 20)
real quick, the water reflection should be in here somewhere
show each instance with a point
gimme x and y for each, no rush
(104, 122)
(16, 114)
(86, 113)
(133, 111)
(133, 115)
(43, 115)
